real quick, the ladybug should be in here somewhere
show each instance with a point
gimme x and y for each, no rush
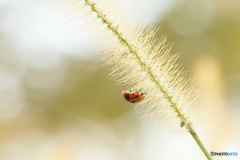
(133, 97)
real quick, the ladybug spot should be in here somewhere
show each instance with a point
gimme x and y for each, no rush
(137, 97)
(127, 96)
(133, 101)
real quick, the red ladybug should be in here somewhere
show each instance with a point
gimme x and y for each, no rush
(133, 97)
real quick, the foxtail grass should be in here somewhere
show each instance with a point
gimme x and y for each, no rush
(140, 61)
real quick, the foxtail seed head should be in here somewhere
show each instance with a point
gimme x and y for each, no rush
(138, 60)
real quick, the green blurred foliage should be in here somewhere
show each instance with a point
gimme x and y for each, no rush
(85, 93)
(205, 27)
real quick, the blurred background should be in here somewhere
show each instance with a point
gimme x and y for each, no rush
(58, 103)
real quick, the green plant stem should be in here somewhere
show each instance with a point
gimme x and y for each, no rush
(200, 144)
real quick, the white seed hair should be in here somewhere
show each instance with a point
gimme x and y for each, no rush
(139, 60)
